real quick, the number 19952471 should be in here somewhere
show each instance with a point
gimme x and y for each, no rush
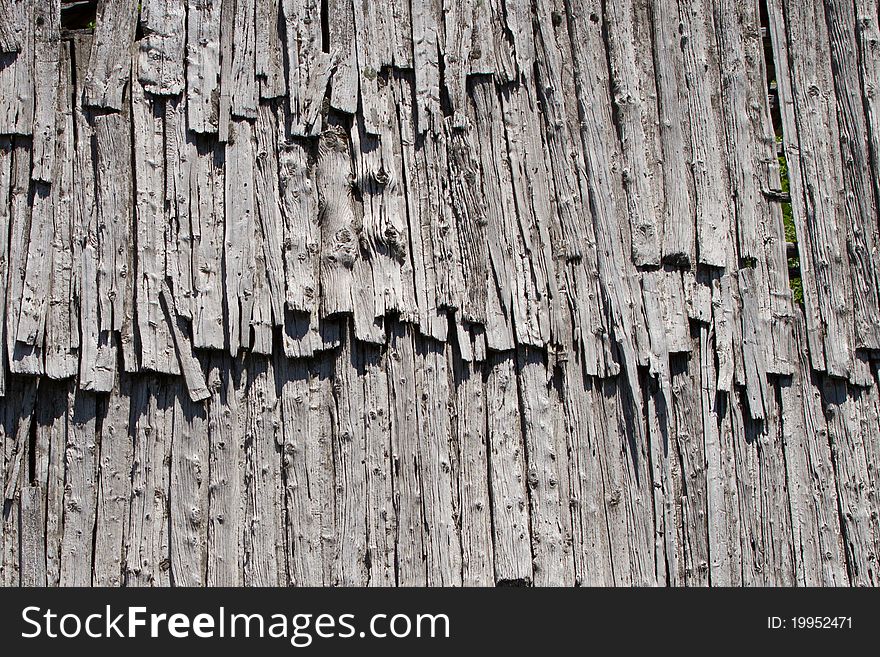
(809, 623)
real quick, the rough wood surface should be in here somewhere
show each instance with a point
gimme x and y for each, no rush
(440, 293)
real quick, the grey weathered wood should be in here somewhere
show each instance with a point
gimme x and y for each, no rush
(207, 211)
(507, 476)
(147, 561)
(859, 206)
(815, 197)
(239, 247)
(109, 68)
(349, 413)
(308, 66)
(470, 429)
(630, 42)
(338, 245)
(497, 293)
(679, 214)
(345, 90)
(156, 349)
(426, 25)
(81, 483)
(179, 144)
(11, 26)
(114, 487)
(269, 50)
(17, 69)
(226, 474)
(21, 302)
(115, 209)
(242, 82)
(711, 185)
(203, 64)
(547, 467)
(6, 160)
(161, 51)
(264, 563)
(62, 337)
(47, 86)
(51, 441)
(308, 471)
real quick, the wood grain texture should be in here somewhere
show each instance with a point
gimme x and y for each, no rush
(434, 293)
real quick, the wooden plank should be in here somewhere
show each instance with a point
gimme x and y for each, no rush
(115, 207)
(207, 208)
(381, 516)
(269, 50)
(52, 441)
(97, 364)
(630, 53)
(577, 326)
(431, 319)
(492, 49)
(80, 496)
(338, 243)
(226, 473)
(35, 284)
(264, 562)
(426, 26)
(458, 39)
(243, 90)
(298, 200)
(156, 348)
(536, 283)
(180, 148)
(188, 364)
(411, 542)
(470, 431)
(239, 247)
(21, 303)
(47, 51)
(472, 222)
(308, 66)
(546, 468)
(308, 472)
(6, 161)
(161, 51)
(711, 185)
(371, 49)
(605, 184)
(147, 557)
(859, 206)
(62, 338)
(384, 236)
(810, 126)
(109, 66)
(439, 509)
(500, 209)
(203, 64)
(349, 413)
(114, 486)
(17, 70)
(851, 468)
(679, 222)
(819, 556)
(689, 479)
(344, 93)
(33, 547)
(507, 475)
(35, 536)
(268, 198)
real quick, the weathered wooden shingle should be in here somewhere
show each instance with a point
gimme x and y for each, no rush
(475, 293)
